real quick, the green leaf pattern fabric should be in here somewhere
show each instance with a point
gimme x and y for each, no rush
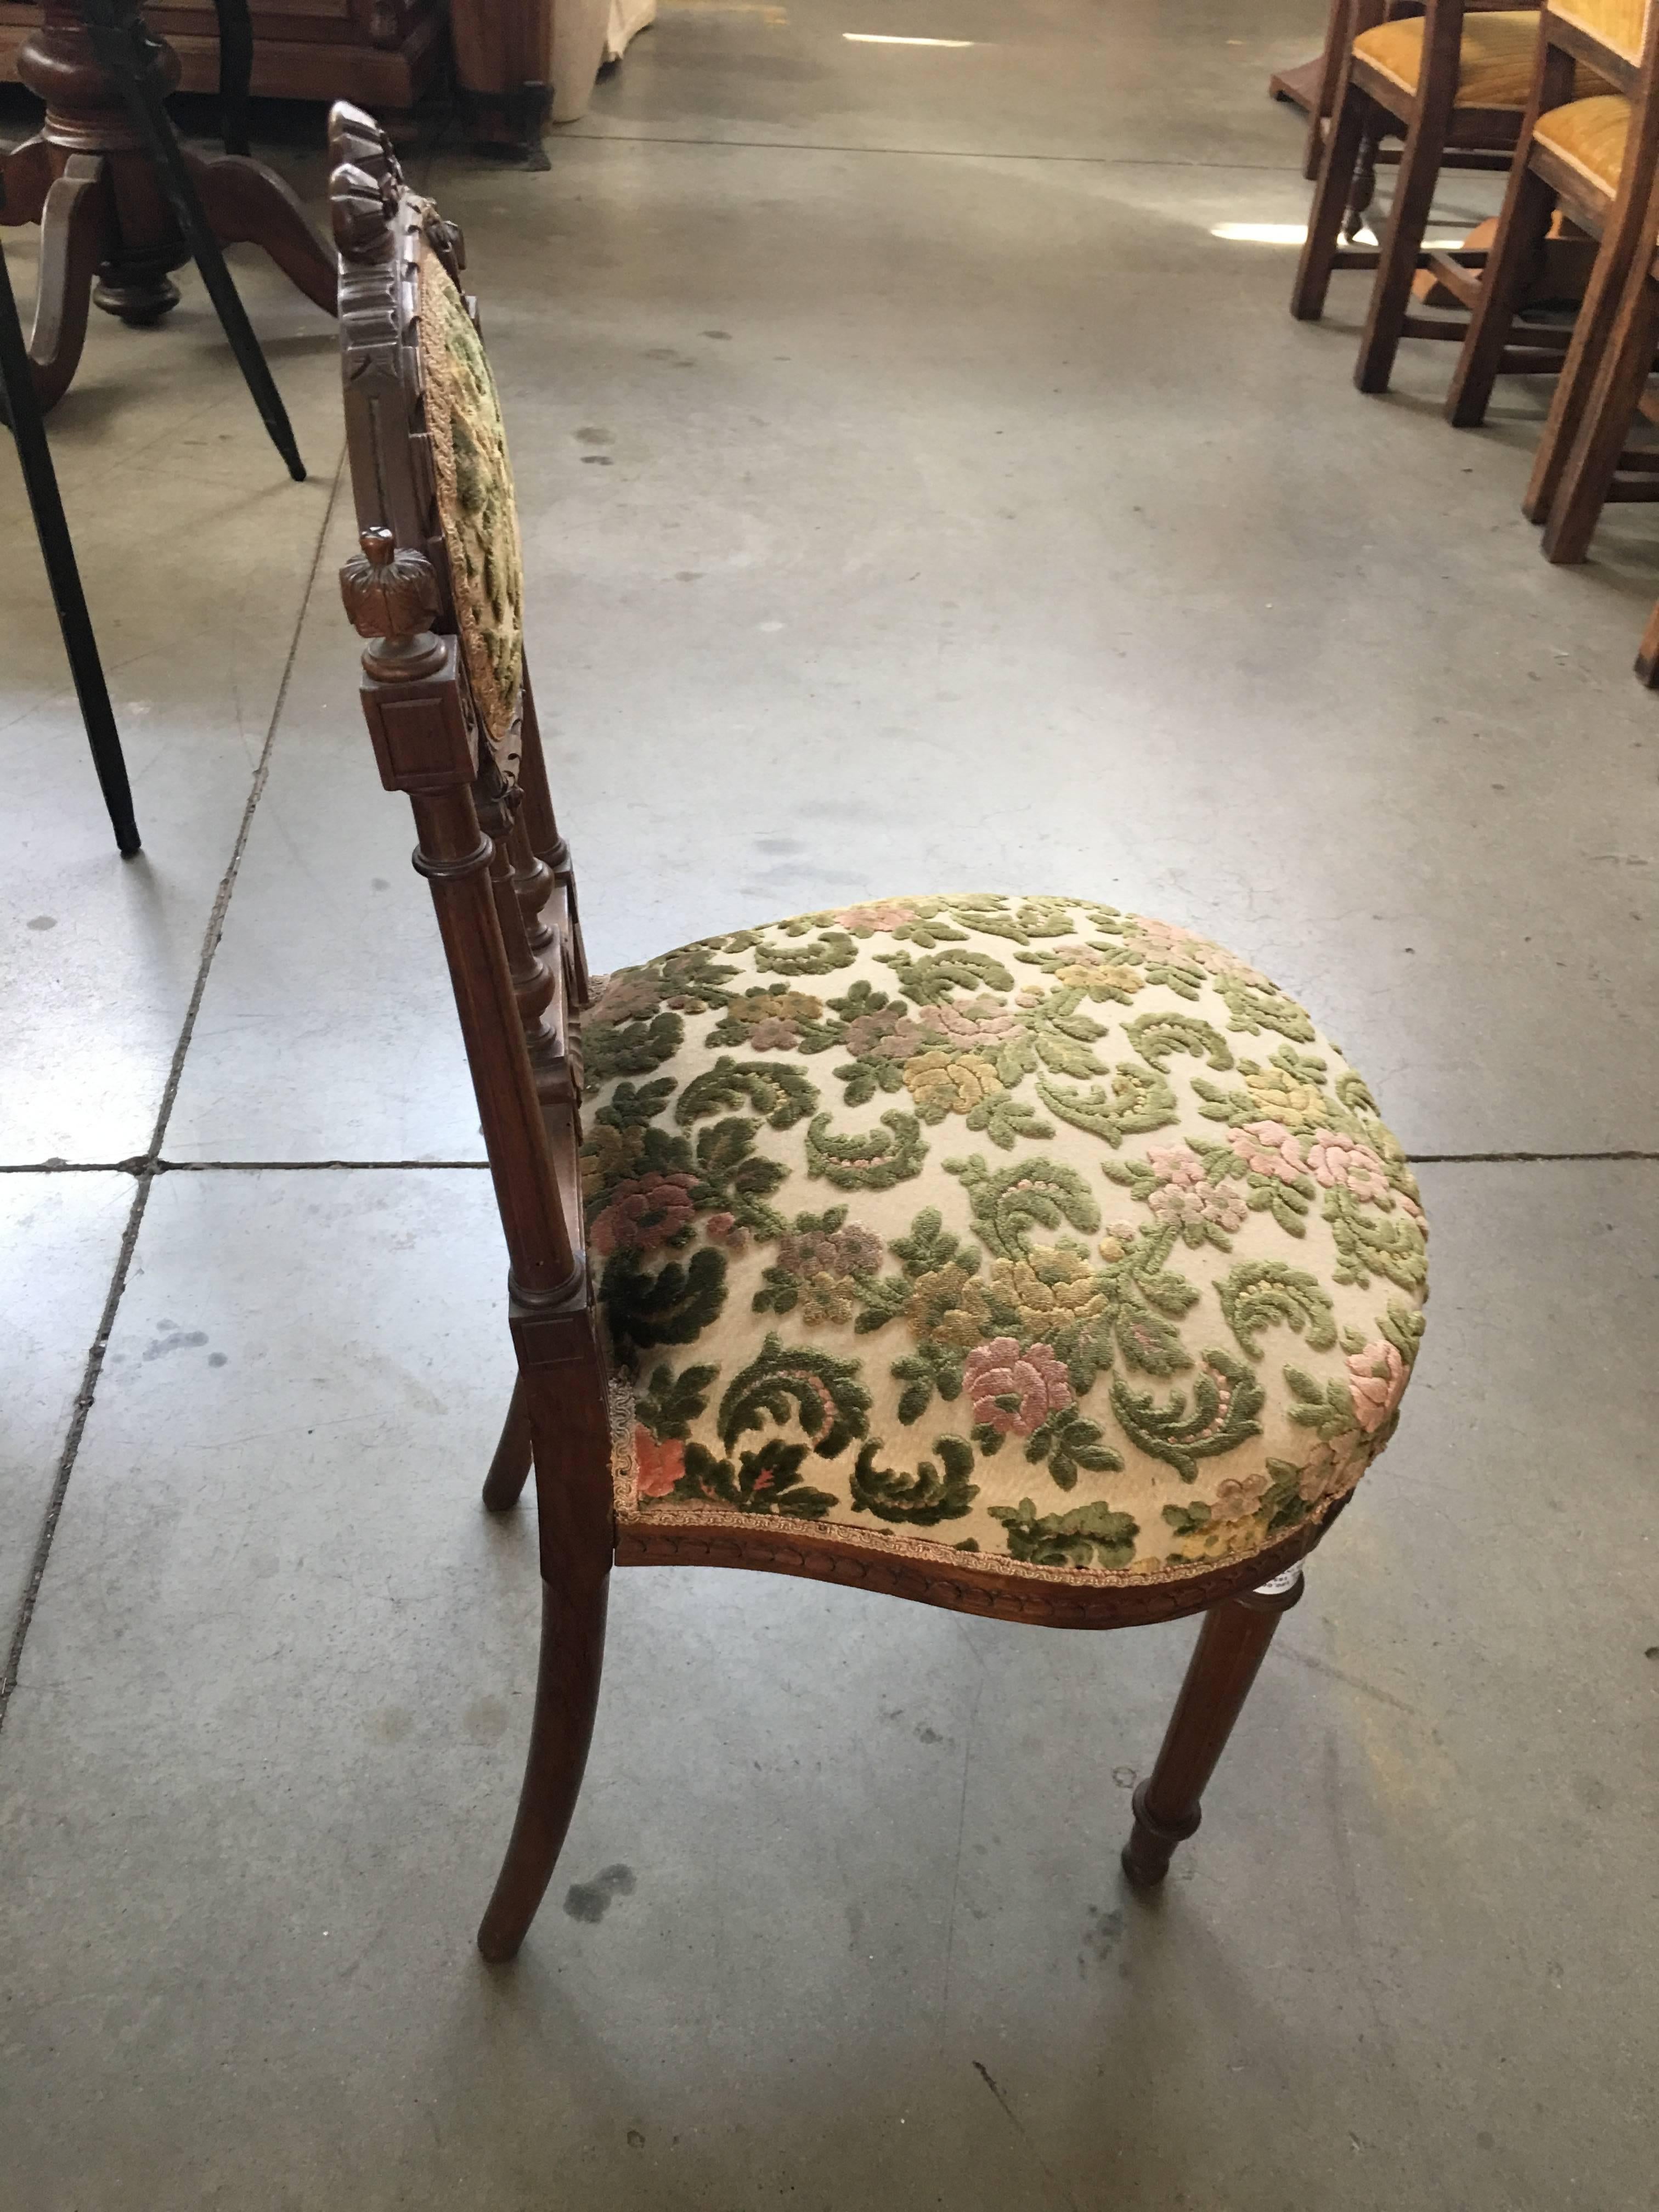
(1022, 1227)
(477, 508)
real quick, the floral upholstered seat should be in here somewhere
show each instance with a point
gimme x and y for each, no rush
(1021, 1227)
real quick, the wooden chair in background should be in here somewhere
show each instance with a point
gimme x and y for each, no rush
(1452, 78)
(1593, 161)
(1133, 1381)
(1600, 466)
(1314, 86)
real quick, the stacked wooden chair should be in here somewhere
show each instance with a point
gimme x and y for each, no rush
(1454, 78)
(1017, 1256)
(1593, 160)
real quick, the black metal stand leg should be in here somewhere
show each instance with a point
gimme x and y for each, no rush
(23, 408)
(235, 72)
(125, 46)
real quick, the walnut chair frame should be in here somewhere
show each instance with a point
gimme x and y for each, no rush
(1566, 499)
(1370, 106)
(500, 879)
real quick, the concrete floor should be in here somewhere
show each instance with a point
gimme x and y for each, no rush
(916, 491)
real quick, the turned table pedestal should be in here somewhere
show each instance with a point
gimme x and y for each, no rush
(108, 234)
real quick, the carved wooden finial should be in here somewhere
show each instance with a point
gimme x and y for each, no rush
(365, 182)
(391, 597)
(362, 210)
(354, 136)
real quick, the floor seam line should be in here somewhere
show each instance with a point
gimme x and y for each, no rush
(147, 1164)
(926, 153)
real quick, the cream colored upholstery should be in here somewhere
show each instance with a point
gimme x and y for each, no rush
(1018, 1226)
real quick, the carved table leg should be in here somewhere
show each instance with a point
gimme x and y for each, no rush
(1231, 1644)
(247, 203)
(25, 180)
(72, 225)
(114, 237)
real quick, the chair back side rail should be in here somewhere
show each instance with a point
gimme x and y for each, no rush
(541, 830)
(426, 746)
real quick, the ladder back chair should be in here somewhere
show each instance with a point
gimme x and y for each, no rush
(1021, 1256)
(1593, 161)
(1600, 466)
(1454, 78)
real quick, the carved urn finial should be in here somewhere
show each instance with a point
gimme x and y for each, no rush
(391, 597)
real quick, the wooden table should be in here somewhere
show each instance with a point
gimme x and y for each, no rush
(108, 235)
(384, 54)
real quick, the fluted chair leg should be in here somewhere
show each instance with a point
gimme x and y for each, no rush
(1231, 1644)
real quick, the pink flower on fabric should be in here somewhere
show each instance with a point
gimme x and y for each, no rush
(888, 1035)
(643, 1214)
(879, 914)
(1184, 1192)
(773, 1035)
(722, 1229)
(1341, 1162)
(1174, 943)
(1013, 1391)
(657, 1467)
(1164, 936)
(1332, 1469)
(1238, 1496)
(626, 998)
(1376, 1383)
(1178, 1164)
(971, 1022)
(1267, 1148)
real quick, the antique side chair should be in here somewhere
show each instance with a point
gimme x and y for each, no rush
(1455, 77)
(1019, 1255)
(1594, 160)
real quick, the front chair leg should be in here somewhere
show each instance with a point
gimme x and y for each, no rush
(1402, 242)
(564, 1403)
(566, 1694)
(1231, 1645)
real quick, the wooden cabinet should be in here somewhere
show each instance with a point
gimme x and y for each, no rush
(384, 54)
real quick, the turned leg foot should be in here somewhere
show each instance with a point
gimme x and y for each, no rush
(136, 296)
(1232, 1642)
